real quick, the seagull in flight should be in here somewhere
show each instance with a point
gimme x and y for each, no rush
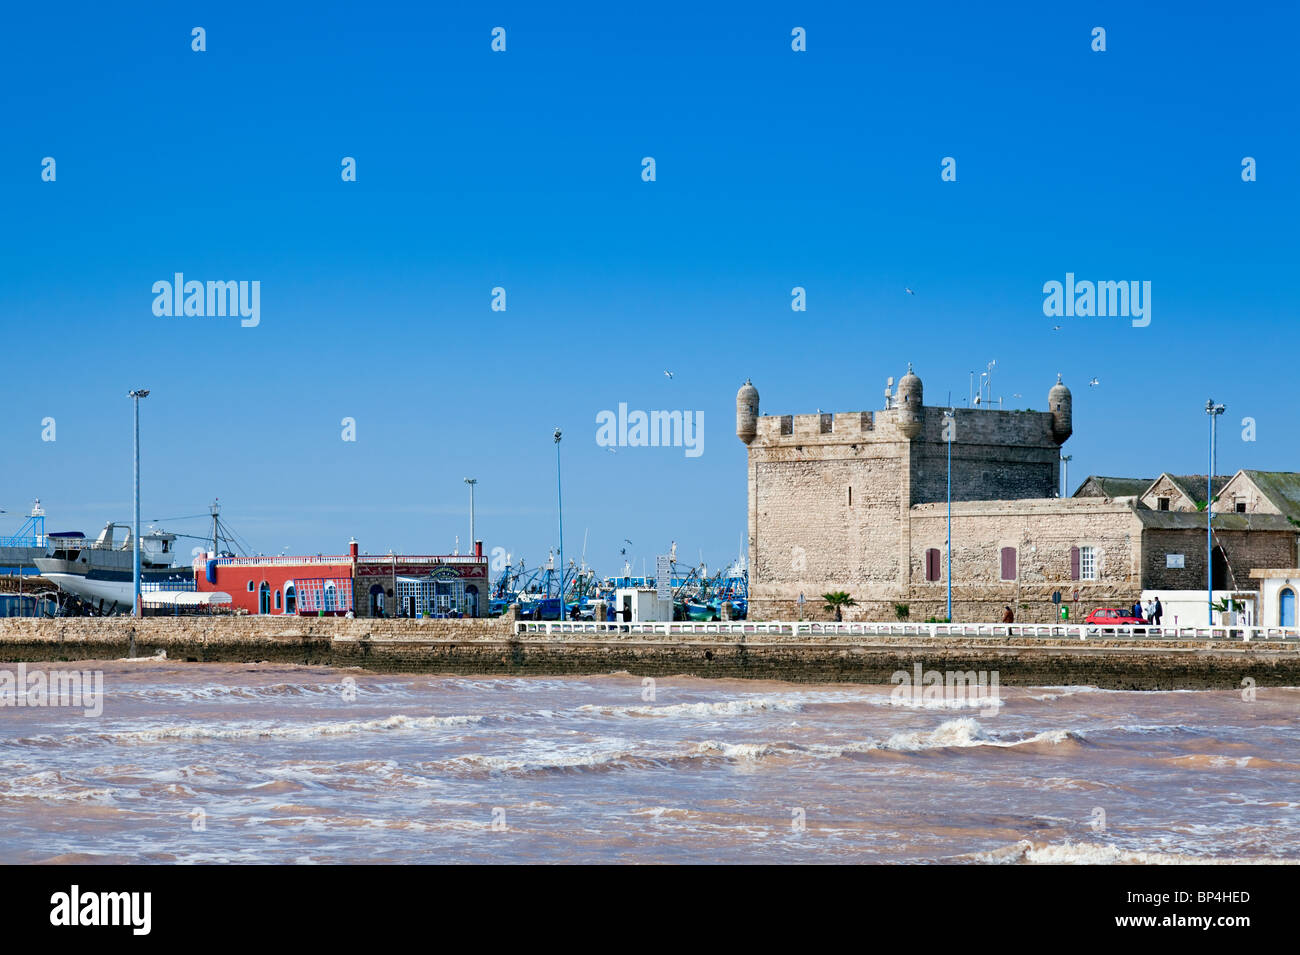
(1017, 395)
(908, 291)
(1094, 382)
(1056, 328)
(612, 450)
(668, 373)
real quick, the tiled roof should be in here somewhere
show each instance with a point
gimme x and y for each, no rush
(1112, 487)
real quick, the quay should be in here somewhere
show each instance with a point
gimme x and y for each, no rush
(1126, 658)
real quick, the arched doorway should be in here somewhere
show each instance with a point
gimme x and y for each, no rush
(264, 597)
(1218, 569)
(290, 599)
(376, 600)
(471, 600)
(331, 597)
(1286, 607)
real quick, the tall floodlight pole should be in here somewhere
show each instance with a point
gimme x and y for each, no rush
(950, 427)
(1213, 411)
(1065, 473)
(471, 482)
(135, 396)
(559, 497)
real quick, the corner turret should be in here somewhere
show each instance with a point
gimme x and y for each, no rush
(747, 412)
(1061, 405)
(910, 404)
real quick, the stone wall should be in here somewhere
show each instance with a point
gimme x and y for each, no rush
(492, 647)
(1043, 532)
(997, 455)
(1244, 551)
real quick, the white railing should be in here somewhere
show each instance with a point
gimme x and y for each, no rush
(381, 560)
(808, 628)
(283, 561)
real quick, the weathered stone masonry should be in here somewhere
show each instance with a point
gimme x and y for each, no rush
(493, 647)
(857, 502)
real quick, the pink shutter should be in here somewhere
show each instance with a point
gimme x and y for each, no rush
(1008, 563)
(1074, 563)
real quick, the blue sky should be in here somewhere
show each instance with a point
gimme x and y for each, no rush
(522, 170)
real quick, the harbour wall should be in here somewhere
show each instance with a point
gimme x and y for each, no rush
(492, 646)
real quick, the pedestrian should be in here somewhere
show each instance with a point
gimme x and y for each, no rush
(1008, 616)
(1157, 612)
(1137, 610)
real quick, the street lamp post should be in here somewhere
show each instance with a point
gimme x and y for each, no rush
(1065, 473)
(135, 534)
(471, 482)
(559, 497)
(1213, 411)
(950, 428)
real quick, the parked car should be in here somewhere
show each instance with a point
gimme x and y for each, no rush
(1113, 617)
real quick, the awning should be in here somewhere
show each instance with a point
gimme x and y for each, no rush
(184, 598)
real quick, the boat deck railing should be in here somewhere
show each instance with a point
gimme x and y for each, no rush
(1047, 631)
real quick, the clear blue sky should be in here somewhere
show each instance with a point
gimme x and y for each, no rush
(522, 170)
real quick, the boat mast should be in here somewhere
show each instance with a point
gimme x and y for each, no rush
(215, 509)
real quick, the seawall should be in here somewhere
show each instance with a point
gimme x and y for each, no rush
(493, 647)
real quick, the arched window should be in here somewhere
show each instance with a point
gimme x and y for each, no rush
(264, 597)
(1286, 607)
(290, 599)
(331, 597)
(277, 600)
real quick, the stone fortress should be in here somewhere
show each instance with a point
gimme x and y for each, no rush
(857, 502)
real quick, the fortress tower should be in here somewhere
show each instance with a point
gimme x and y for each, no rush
(831, 496)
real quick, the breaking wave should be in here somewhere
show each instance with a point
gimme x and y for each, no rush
(301, 732)
(1091, 853)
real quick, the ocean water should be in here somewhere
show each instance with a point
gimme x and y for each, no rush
(207, 763)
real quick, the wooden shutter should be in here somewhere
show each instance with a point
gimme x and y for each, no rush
(932, 564)
(1008, 563)
(1074, 563)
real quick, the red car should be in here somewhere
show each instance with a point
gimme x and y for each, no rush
(1114, 617)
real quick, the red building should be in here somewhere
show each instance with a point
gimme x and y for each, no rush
(391, 585)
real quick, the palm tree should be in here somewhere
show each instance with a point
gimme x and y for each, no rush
(836, 601)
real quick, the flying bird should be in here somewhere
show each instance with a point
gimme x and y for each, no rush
(668, 373)
(909, 291)
(612, 450)
(1094, 382)
(1017, 395)
(1056, 328)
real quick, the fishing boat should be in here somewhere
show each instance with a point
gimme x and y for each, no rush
(100, 572)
